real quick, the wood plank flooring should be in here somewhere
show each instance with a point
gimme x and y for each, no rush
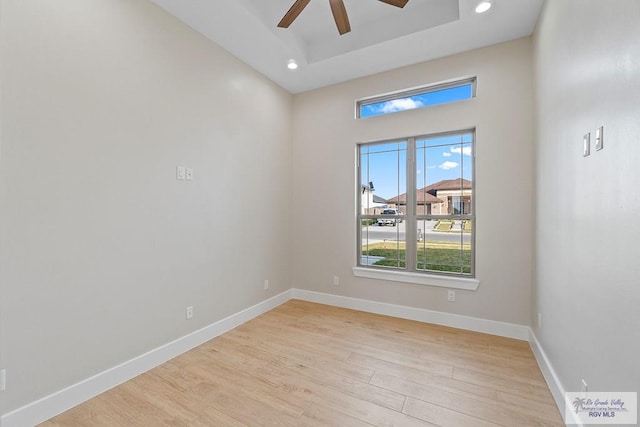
(305, 364)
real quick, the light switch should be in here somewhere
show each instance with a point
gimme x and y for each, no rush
(180, 172)
(189, 174)
(600, 138)
(586, 145)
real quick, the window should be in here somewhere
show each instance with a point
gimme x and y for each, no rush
(418, 216)
(417, 98)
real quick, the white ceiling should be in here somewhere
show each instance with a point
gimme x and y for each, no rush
(382, 37)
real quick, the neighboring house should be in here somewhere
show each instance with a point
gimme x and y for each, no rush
(450, 196)
(369, 202)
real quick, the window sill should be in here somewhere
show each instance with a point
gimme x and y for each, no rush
(418, 278)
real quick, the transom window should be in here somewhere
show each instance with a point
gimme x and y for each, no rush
(415, 204)
(425, 96)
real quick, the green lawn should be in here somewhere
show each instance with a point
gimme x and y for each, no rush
(444, 225)
(432, 255)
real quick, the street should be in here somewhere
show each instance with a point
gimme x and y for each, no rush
(379, 233)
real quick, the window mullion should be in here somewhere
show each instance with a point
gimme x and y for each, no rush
(410, 223)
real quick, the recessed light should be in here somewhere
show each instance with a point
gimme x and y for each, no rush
(483, 6)
(292, 64)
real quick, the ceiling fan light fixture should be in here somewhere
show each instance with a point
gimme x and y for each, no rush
(483, 6)
(292, 64)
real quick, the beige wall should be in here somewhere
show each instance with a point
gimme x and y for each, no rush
(102, 248)
(587, 67)
(325, 136)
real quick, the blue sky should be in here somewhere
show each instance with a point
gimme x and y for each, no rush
(417, 101)
(438, 158)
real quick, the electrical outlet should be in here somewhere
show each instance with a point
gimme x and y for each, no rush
(189, 174)
(266, 284)
(3, 379)
(539, 320)
(336, 281)
(451, 296)
(189, 312)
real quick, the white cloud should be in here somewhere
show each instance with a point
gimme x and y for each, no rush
(400, 105)
(448, 165)
(446, 154)
(465, 150)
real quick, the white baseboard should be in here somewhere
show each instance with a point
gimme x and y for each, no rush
(58, 402)
(550, 376)
(475, 324)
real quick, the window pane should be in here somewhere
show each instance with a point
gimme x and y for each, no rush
(444, 175)
(382, 245)
(467, 174)
(444, 246)
(383, 175)
(412, 99)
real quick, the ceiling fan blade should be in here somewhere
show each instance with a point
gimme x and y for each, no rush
(293, 13)
(397, 3)
(340, 16)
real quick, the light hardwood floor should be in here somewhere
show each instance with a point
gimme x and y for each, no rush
(305, 364)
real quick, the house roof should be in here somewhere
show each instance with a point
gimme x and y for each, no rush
(449, 184)
(375, 197)
(425, 195)
(423, 198)
(378, 199)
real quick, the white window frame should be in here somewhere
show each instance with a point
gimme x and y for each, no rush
(416, 91)
(410, 274)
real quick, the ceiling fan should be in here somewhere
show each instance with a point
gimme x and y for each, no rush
(337, 8)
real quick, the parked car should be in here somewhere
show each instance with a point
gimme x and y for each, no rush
(389, 220)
